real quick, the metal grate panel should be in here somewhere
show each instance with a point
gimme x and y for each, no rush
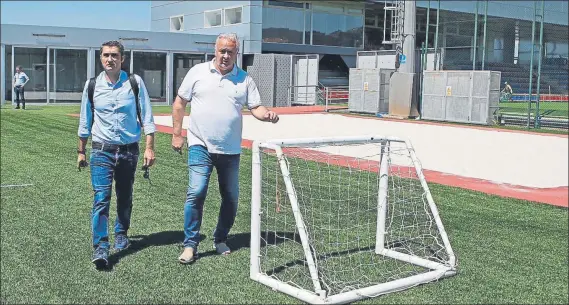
(433, 107)
(356, 83)
(265, 70)
(369, 90)
(282, 80)
(460, 96)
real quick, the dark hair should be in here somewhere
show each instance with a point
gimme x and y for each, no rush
(19, 67)
(113, 43)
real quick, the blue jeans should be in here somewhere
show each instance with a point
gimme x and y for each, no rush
(19, 91)
(200, 165)
(105, 166)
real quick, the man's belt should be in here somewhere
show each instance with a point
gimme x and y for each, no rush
(115, 147)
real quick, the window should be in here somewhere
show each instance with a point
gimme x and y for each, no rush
(68, 72)
(176, 23)
(285, 4)
(452, 28)
(337, 30)
(9, 72)
(151, 67)
(212, 18)
(182, 64)
(283, 25)
(33, 62)
(355, 11)
(370, 21)
(232, 15)
(328, 8)
(458, 41)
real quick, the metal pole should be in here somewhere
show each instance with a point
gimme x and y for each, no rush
(409, 32)
(54, 78)
(424, 61)
(3, 74)
(475, 37)
(531, 61)
(537, 116)
(47, 76)
(437, 35)
(484, 39)
(12, 59)
(326, 98)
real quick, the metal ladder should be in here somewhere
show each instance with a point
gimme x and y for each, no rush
(396, 9)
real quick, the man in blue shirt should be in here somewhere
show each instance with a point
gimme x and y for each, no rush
(20, 80)
(115, 132)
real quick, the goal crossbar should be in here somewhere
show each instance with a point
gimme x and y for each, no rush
(329, 140)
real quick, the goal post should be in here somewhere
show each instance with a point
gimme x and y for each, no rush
(338, 219)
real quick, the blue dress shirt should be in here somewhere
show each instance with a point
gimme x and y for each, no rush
(116, 120)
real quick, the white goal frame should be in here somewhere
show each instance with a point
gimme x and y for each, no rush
(318, 295)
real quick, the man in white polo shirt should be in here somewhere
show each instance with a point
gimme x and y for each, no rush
(218, 90)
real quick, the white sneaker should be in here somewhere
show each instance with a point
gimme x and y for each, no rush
(222, 248)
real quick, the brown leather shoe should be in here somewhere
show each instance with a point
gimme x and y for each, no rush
(188, 256)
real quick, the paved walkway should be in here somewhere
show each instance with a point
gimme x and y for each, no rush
(515, 164)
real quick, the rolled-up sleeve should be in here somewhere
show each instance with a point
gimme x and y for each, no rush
(145, 108)
(85, 115)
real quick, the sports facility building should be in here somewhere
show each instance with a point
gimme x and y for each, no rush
(476, 35)
(58, 60)
(312, 44)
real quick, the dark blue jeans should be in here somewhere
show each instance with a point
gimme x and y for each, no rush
(200, 165)
(19, 91)
(119, 165)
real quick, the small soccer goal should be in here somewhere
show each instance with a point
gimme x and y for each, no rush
(336, 220)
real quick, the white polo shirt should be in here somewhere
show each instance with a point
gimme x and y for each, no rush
(216, 101)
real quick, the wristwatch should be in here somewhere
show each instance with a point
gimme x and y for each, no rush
(80, 151)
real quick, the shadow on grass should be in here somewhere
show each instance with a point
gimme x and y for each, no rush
(234, 242)
(141, 242)
(243, 240)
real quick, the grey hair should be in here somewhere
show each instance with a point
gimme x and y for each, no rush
(229, 36)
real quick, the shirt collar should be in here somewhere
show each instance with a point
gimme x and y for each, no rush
(122, 77)
(213, 69)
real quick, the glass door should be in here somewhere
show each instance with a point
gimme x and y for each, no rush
(182, 64)
(33, 62)
(67, 74)
(151, 67)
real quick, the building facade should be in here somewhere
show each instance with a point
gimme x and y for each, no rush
(337, 30)
(316, 27)
(491, 35)
(59, 60)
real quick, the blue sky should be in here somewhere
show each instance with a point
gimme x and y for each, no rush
(120, 15)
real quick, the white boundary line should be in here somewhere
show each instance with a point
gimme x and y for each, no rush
(16, 185)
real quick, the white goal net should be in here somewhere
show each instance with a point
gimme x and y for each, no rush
(335, 220)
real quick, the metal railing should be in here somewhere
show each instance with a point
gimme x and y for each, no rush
(336, 96)
(320, 95)
(304, 95)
